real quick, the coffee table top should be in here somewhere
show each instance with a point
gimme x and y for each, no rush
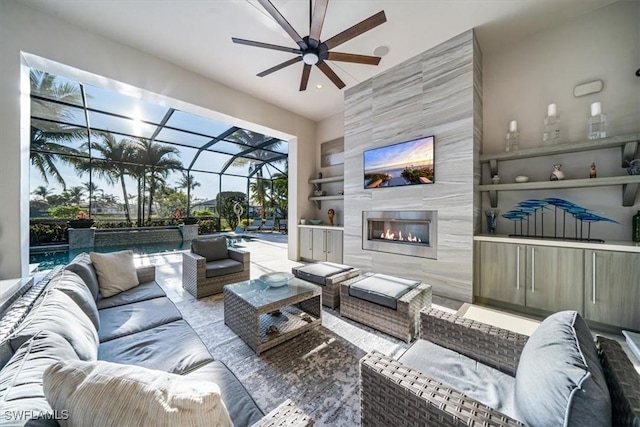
(258, 293)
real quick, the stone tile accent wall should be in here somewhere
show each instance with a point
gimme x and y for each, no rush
(438, 92)
(133, 236)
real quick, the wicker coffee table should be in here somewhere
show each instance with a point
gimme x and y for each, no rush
(265, 317)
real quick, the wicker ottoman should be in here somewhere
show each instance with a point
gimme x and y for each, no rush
(328, 276)
(401, 322)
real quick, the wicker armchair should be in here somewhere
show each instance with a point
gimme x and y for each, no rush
(194, 273)
(393, 394)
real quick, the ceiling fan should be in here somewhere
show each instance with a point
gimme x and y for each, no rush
(311, 50)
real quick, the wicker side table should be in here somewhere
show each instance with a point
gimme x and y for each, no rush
(401, 323)
(265, 317)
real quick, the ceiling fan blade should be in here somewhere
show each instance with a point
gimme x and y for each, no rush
(265, 45)
(305, 77)
(280, 66)
(319, 11)
(324, 67)
(352, 57)
(281, 20)
(354, 31)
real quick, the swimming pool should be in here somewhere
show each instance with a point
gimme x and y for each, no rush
(47, 258)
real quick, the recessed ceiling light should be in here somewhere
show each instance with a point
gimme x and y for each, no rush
(318, 86)
(381, 51)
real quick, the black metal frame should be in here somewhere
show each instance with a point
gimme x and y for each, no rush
(209, 146)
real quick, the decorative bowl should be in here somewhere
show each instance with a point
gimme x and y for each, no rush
(276, 280)
(315, 221)
(522, 178)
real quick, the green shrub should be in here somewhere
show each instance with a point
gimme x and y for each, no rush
(208, 226)
(49, 233)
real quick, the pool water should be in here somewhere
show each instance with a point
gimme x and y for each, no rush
(47, 258)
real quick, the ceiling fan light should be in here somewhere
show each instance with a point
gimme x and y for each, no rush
(310, 58)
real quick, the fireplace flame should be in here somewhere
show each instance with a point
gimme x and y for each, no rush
(390, 235)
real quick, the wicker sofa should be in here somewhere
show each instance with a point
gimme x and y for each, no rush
(139, 326)
(394, 394)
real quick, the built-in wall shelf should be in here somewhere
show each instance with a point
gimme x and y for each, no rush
(318, 199)
(327, 180)
(317, 186)
(627, 143)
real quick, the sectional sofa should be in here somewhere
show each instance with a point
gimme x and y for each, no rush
(64, 317)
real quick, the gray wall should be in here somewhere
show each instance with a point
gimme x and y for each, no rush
(430, 94)
(521, 79)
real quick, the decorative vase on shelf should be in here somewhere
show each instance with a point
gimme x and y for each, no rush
(513, 137)
(495, 179)
(492, 220)
(557, 174)
(551, 133)
(597, 127)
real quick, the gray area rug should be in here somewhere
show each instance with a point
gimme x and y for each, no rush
(318, 369)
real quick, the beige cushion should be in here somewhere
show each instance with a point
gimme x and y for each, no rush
(116, 272)
(129, 395)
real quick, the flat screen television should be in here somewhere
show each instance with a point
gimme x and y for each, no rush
(405, 163)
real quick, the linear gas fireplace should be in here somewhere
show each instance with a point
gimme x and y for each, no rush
(412, 233)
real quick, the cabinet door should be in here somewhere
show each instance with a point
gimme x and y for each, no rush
(502, 272)
(555, 278)
(319, 244)
(334, 246)
(612, 288)
(306, 243)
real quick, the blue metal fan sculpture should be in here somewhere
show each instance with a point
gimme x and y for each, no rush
(529, 210)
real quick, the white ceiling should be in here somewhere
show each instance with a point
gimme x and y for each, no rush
(197, 35)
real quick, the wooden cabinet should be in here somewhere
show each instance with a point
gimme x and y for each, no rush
(334, 246)
(612, 288)
(321, 244)
(502, 272)
(555, 278)
(306, 243)
(540, 277)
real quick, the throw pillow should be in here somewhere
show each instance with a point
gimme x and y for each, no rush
(212, 248)
(116, 272)
(559, 381)
(119, 394)
(72, 285)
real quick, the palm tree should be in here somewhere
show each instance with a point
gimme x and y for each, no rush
(259, 188)
(159, 161)
(75, 194)
(188, 182)
(116, 155)
(43, 192)
(48, 139)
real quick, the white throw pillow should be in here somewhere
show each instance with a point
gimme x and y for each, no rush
(116, 272)
(128, 395)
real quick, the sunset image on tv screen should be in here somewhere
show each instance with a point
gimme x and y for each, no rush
(406, 163)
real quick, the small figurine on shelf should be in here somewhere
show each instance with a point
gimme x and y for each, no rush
(592, 172)
(557, 174)
(319, 175)
(331, 214)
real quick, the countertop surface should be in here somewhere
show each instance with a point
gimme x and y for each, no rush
(326, 226)
(609, 245)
